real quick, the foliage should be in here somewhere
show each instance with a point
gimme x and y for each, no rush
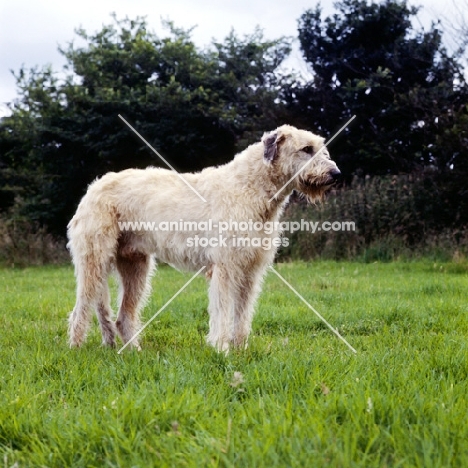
(198, 107)
(296, 394)
(23, 243)
(406, 91)
(409, 96)
(394, 217)
(193, 105)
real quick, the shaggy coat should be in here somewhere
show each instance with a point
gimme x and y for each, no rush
(244, 189)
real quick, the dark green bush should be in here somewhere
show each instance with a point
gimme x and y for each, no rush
(396, 216)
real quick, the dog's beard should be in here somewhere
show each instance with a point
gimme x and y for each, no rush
(312, 191)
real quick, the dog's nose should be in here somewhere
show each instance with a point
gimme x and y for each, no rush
(335, 174)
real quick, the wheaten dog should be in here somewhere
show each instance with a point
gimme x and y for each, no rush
(245, 189)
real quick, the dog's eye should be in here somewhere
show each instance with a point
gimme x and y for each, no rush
(308, 150)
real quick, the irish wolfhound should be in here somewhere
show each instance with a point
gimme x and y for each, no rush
(247, 189)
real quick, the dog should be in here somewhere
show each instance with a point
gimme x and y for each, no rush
(252, 188)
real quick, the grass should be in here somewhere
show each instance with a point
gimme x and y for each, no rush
(296, 397)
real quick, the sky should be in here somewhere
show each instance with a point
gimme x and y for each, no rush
(32, 30)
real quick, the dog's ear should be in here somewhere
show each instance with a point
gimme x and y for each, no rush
(270, 146)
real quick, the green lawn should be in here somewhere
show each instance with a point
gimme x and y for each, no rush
(297, 397)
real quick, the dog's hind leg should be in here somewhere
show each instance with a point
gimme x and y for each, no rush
(104, 315)
(91, 275)
(135, 272)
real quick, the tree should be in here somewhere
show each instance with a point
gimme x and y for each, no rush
(195, 106)
(402, 85)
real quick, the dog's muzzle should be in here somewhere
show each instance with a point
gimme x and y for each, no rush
(335, 175)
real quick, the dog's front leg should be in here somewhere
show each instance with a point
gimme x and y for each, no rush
(246, 290)
(219, 308)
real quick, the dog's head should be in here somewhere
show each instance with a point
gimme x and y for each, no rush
(291, 152)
